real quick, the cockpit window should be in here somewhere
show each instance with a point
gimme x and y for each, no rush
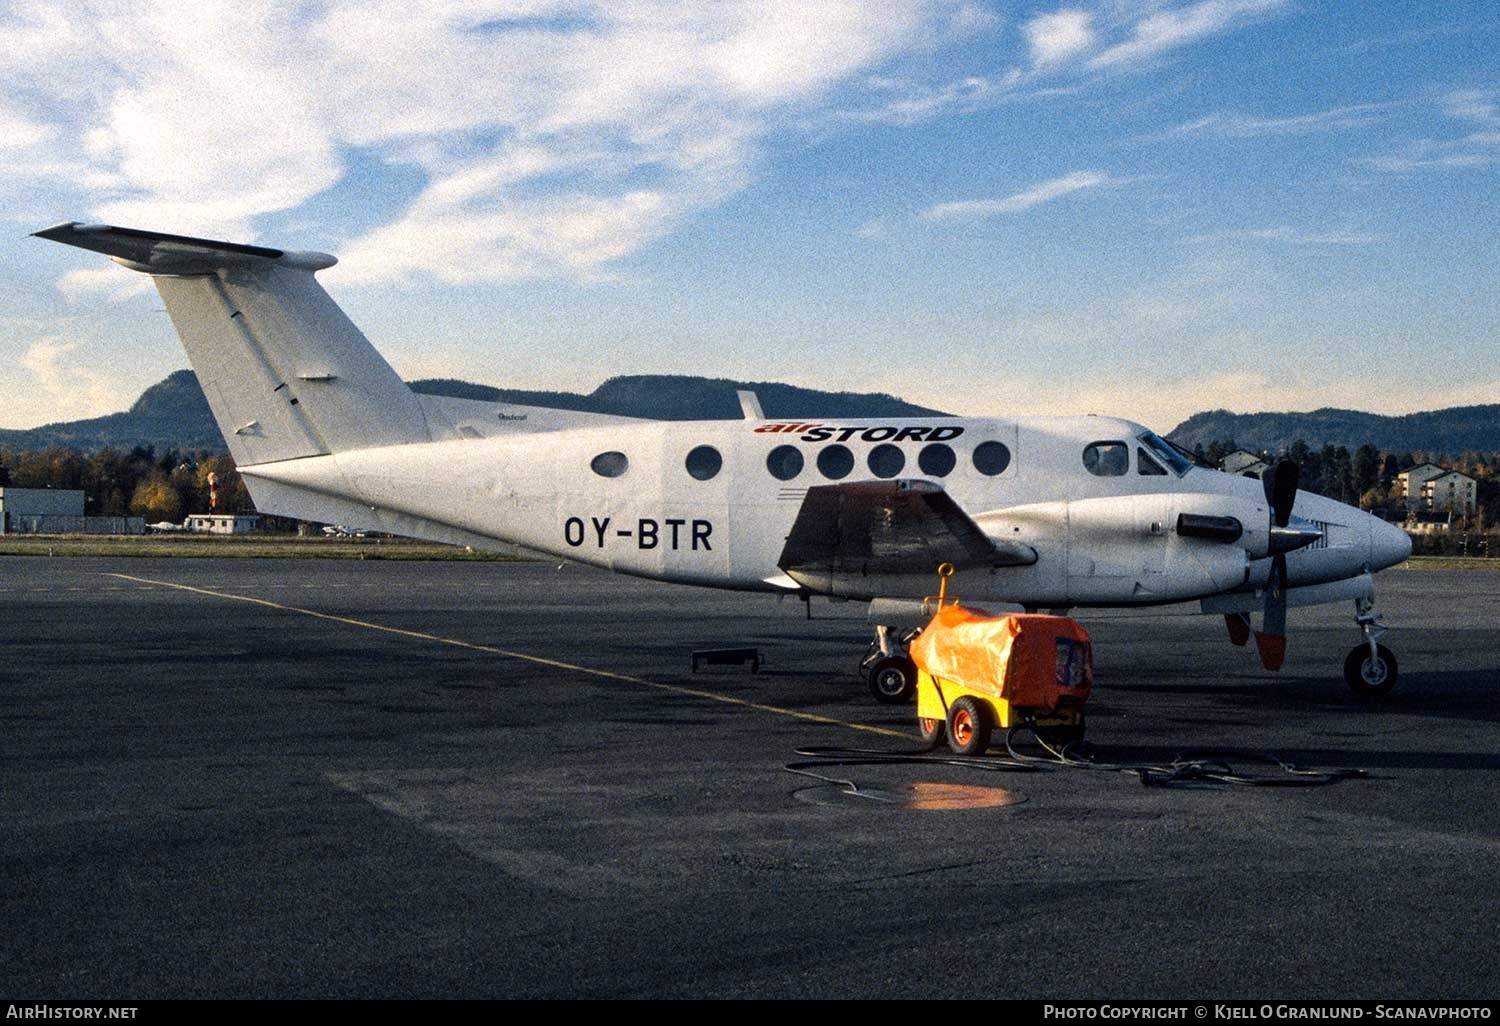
(1166, 453)
(1106, 459)
(1146, 466)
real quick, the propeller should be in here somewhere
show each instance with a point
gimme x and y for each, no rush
(1280, 483)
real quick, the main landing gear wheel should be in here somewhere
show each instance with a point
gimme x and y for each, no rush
(1367, 677)
(932, 732)
(969, 727)
(893, 680)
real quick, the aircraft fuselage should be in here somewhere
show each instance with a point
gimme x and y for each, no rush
(711, 503)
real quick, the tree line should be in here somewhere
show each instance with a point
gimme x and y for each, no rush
(138, 482)
(1367, 476)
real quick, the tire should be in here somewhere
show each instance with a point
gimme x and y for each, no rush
(893, 680)
(1370, 679)
(969, 726)
(932, 732)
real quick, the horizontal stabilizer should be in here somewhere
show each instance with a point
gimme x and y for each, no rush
(160, 253)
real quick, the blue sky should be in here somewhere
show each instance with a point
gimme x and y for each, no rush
(1144, 209)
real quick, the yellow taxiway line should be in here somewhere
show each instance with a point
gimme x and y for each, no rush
(675, 689)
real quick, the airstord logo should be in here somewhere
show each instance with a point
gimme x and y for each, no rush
(883, 433)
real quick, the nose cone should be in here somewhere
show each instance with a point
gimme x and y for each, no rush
(1389, 544)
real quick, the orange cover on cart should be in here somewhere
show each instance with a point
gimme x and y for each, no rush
(1029, 659)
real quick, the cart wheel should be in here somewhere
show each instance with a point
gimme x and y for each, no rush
(893, 680)
(969, 726)
(932, 732)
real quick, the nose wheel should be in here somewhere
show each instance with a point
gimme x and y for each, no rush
(1370, 668)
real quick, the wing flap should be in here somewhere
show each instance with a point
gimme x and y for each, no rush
(888, 527)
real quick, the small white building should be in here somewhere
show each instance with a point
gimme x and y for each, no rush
(1244, 463)
(1414, 479)
(1429, 522)
(221, 523)
(1453, 491)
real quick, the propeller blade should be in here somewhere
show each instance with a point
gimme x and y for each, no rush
(1271, 638)
(1239, 627)
(1280, 483)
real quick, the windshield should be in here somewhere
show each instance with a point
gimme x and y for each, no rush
(1166, 453)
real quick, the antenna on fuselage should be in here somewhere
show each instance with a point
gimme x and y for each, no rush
(750, 405)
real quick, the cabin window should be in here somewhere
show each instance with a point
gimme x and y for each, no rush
(991, 458)
(610, 464)
(1146, 465)
(936, 460)
(704, 462)
(835, 462)
(784, 462)
(886, 461)
(1106, 459)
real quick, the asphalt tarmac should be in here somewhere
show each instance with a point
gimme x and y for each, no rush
(502, 780)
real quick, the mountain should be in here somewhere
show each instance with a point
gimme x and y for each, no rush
(680, 397)
(173, 414)
(1452, 431)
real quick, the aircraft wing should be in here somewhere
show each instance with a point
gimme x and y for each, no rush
(888, 527)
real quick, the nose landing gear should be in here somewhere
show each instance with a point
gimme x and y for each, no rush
(1370, 668)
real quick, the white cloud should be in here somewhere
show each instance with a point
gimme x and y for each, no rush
(1056, 43)
(1481, 105)
(907, 103)
(1228, 124)
(555, 136)
(1166, 30)
(111, 280)
(607, 138)
(1294, 236)
(1057, 37)
(73, 392)
(18, 132)
(1473, 149)
(967, 210)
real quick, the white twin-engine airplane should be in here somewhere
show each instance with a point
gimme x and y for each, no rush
(1046, 513)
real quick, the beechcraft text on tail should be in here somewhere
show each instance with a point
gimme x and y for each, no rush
(1042, 512)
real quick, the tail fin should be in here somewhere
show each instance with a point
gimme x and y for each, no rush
(286, 373)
